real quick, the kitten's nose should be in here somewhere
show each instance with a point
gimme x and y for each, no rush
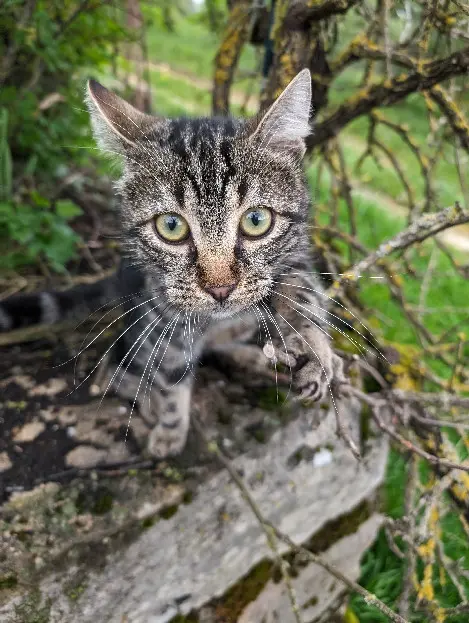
(221, 293)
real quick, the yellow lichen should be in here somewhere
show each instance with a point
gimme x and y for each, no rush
(439, 615)
(427, 550)
(426, 588)
(433, 519)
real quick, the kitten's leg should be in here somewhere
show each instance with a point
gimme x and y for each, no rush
(301, 316)
(160, 386)
(165, 407)
(237, 343)
(169, 436)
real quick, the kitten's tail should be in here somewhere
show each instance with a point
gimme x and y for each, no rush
(50, 307)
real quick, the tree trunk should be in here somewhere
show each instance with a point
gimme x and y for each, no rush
(135, 52)
(296, 44)
(292, 42)
(234, 37)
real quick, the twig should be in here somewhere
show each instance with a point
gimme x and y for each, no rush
(377, 402)
(388, 93)
(421, 229)
(441, 400)
(117, 468)
(427, 280)
(270, 530)
(412, 482)
(266, 527)
(369, 598)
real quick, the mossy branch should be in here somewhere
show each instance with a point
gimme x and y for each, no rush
(422, 228)
(303, 13)
(389, 92)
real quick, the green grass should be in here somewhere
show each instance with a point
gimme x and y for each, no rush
(375, 225)
(174, 96)
(190, 48)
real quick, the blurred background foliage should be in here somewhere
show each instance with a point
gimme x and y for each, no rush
(394, 162)
(46, 50)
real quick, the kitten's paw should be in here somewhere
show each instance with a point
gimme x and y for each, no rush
(312, 382)
(317, 370)
(164, 442)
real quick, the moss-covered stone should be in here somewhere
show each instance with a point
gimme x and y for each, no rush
(103, 503)
(75, 586)
(259, 435)
(365, 428)
(8, 580)
(230, 606)
(148, 522)
(187, 497)
(31, 609)
(169, 511)
(190, 618)
(339, 528)
(271, 398)
(310, 603)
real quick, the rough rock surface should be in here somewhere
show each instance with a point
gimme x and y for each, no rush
(317, 592)
(29, 432)
(114, 537)
(181, 564)
(5, 462)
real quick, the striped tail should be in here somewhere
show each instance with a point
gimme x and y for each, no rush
(24, 310)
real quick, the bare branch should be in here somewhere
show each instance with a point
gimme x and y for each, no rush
(425, 227)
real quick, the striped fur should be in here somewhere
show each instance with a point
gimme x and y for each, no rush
(210, 171)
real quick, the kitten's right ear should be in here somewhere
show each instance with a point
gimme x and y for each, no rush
(116, 123)
(285, 125)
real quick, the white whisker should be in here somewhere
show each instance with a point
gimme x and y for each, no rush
(279, 331)
(115, 341)
(347, 324)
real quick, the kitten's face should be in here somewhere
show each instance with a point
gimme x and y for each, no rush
(214, 209)
(212, 216)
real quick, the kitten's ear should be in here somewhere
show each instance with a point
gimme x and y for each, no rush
(116, 123)
(286, 124)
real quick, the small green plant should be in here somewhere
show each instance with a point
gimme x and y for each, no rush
(38, 230)
(48, 49)
(6, 174)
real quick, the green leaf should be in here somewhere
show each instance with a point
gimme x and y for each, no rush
(39, 200)
(67, 209)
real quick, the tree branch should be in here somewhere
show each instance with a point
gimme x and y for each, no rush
(389, 92)
(421, 229)
(302, 13)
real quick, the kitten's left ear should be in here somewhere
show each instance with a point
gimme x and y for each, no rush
(286, 124)
(116, 123)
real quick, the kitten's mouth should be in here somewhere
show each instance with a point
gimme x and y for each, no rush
(221, 301)
(220, 293)
(221, 309)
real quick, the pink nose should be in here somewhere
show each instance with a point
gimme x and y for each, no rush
(221, 293)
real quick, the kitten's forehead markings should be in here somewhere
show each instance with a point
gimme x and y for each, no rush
(221, 167)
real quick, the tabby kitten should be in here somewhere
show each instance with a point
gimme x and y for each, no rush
(214, 217)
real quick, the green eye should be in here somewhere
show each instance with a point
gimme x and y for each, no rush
(256, 222)
(172, 227)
